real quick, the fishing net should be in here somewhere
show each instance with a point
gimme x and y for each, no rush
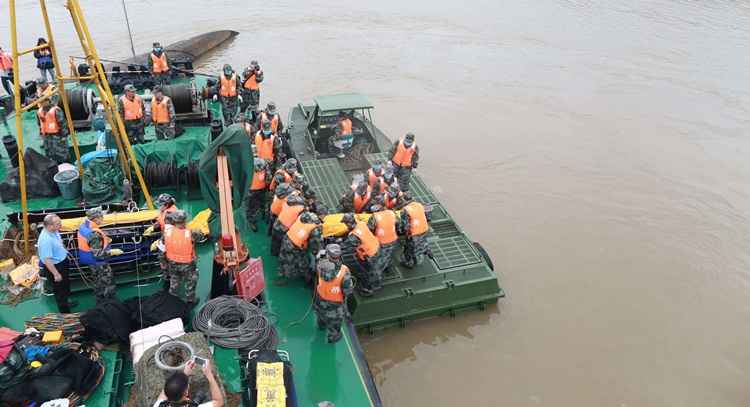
(102, 181)
(149, 379)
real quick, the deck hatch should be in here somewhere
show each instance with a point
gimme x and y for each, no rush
(453, 251)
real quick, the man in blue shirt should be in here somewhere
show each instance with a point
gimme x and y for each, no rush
(54, 261)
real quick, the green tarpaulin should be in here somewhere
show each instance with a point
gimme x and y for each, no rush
(236, 145)
(182, 150)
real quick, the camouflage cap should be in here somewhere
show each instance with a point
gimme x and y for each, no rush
(295, 200)
(129, 88)
(326, 267)
(333, 250)
(179, 216)
(271, 107)
(259, 163)
(409, 139)
(165, 199)
(95, 213)
(283, 189)
(348, 219)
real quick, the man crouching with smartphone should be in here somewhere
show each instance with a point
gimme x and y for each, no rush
(177, 387)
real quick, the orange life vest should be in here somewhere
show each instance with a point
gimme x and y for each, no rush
(264, 147)
(299, 233)
(287, 179)
(346, 127)
(162, 218)
(259, 181)
(391, 202)
(228, 86)
(160, 110)
(85, 256)
(6, 62)
(48, 123)
(289, 214)
(133, 108)
(179, 245)
(369, 244)
(373, 178)
(277, 204)
(417, 219)
(160, 64)
(359, 201)
(403, 155)
(331, 290)
(251, 83)
(274, 121)
(386, 228)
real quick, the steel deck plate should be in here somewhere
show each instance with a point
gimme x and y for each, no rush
(324, 173)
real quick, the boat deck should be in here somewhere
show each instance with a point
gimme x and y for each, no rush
(322, 371)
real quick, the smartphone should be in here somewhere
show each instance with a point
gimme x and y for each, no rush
(199, 361)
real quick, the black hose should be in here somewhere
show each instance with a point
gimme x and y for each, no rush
(234, 323)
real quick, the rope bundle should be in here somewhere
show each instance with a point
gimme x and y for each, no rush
(233, 323)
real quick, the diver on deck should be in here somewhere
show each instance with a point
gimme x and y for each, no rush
(304, 237)
(405, 157)
(367, 249)
(158, 64)
(256, 198)
(94, 251)
(344, 136)
(131, 110)
(178, 244)
(359, 198)
(333, 285)
(290, 211)
(414, 227)
(252, 76)
(162, 115)
(53, 129)
(226, 93)
(386, 224)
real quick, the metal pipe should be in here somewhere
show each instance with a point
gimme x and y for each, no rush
(130, 33)
(19, 126)
(61, 87)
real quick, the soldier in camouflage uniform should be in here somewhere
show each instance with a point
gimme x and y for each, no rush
(252, 76)
(333, 285)
(178, 244)
(276, 200)
(94, 251)
(386, 225)
(256, 198)
(405, 158)
(227, 93)
(162, 115)
(301, 241)
(367, 249)
(359, 198)
(414, 227)
(54, 131)
(133, 117)
(294, 204)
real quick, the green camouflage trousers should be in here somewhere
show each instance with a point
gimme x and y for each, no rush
(250, 98)
(229, 109)
(384, 258)
(415, 248)
(403, 174)
(370, 277)
(163, 131)
(104, 282)
(55, 147)
(254, 205)
(330, 317)
(135, 130)
(187, 272)
(293, 262)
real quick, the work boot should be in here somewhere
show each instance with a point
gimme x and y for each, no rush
(280, 281)
(335, 338)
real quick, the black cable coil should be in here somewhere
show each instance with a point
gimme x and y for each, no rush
(234, 323)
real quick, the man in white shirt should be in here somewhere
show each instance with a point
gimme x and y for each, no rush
(177, 386)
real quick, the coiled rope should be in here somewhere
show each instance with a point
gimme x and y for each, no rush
(234, 323)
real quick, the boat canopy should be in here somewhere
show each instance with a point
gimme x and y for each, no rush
(342, 101)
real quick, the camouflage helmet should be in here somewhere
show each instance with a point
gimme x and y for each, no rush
(377, 168)
(283, 189)
(326, 267)
(376, 207)
(333, 251)
(271, 107)
(389, 176)
(309, 217)
(247, 72)
(291, 165)
(259, 164)
(179, 217)
(129, 88)
(227, 69)
(348, 219)
(295, 200)
(409, 139)
(165, 200)
(298, 179)
(95, 213)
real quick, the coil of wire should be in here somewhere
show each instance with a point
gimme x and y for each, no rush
(234, 323)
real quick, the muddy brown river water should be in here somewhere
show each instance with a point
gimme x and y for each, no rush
(598, 150)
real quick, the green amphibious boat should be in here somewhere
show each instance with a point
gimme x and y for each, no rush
(458, 276)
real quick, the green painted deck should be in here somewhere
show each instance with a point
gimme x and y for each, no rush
(321, 371)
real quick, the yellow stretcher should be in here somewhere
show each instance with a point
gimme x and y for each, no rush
(116, 218)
